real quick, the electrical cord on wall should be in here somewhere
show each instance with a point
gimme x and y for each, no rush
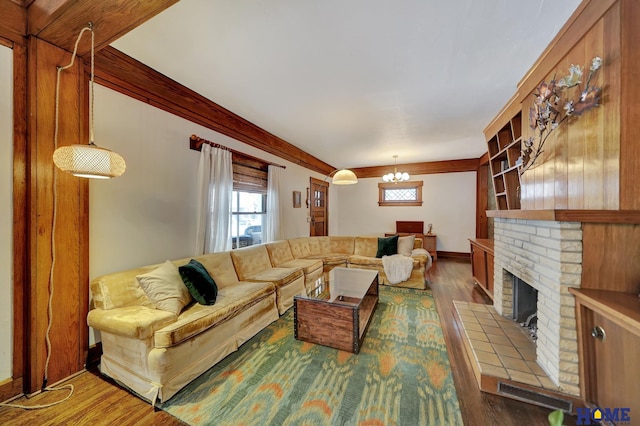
(53, 244)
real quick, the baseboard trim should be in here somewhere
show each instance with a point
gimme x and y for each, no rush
(454, 255)
(93, 356)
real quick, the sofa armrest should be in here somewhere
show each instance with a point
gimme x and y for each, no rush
(138, 322)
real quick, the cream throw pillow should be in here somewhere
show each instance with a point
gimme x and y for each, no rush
(405, 245)
(165, 288)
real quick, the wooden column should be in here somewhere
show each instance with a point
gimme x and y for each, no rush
(69, 333)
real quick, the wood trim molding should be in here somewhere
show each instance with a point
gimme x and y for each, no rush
(20, 210)
(13, 21)
(59, 21)
(130, 77)
(382, 187)
(424, 168)
(586, 216)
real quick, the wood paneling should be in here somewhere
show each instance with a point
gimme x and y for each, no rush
(425, 168)
(70, 277)
(630, 107)
(482, 201)
(610, 257)
(124, 74)
(13, 21)
(59, 21)
(585, 16)
(20, 211)
(590, 161)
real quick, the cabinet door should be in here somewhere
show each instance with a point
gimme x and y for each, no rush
(616, 365)
(479, 266)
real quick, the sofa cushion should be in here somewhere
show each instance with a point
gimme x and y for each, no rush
(198, 318)
(279, 252)
(405, 245)
(120, 289)
(319, 245)
(200, 284)
(355, 259)
(342, 245)
(308, 266)
(250, 260)
(331, 258)
(387, 246)
(300, 247)
(365, 246)
(165, 288)
(278, 276)
(220, 267)
(138, 322)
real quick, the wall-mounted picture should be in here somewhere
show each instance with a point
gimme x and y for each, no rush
(297, 199)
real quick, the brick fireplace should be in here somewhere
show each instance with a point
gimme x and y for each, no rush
(546, 255)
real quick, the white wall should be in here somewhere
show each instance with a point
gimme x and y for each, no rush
(147, 214)
(449, 203)
(6, 214)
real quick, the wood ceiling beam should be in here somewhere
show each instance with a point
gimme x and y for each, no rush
(13, 21)
(425, 168)
(59, 21)
(128, 76)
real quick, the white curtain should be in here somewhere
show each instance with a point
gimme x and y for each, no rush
(272, 228)
(215, 189)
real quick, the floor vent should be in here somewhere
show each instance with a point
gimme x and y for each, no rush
(533, 397)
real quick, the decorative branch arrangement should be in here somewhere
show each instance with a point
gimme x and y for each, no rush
(551, 108)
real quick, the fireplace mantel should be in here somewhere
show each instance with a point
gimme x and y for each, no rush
(585, 216)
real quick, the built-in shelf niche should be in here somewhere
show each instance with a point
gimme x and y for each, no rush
(504, 150)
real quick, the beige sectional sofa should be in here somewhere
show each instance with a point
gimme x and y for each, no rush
(155, 353)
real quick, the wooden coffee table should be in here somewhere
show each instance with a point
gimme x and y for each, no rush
(337, 312)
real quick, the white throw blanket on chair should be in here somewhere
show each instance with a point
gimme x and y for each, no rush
(397, 268)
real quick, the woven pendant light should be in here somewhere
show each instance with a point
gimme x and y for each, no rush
(87, 161)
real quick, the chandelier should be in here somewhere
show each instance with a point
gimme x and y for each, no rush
(396, 176)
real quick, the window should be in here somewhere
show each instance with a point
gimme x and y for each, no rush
(400, 194)
(249, 203)
(248, 211)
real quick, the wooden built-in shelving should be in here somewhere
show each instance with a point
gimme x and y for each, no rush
(504, 150)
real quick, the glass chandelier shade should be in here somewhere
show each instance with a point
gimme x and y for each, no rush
(396, 176)
(87, 161)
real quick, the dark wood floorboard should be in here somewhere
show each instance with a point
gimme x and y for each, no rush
(99, 401)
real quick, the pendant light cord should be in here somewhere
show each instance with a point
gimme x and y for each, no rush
(54, 223)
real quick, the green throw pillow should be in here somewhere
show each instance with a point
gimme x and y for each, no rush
(387, 246)
(200, 284)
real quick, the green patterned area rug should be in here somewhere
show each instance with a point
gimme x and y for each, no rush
(400, 377)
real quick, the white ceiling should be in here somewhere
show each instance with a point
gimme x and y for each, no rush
(354, 82)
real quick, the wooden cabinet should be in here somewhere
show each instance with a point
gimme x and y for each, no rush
(482, 264)
(429, 242)
(608, 324)
(504, 150)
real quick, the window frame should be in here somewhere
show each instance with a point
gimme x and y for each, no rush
(384, 186)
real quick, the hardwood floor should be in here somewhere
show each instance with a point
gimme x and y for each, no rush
(99, 401)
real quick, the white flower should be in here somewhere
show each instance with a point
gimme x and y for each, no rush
(568, 107)
(575, 74)
(596, 63)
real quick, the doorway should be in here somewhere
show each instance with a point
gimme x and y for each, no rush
(318, 208)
